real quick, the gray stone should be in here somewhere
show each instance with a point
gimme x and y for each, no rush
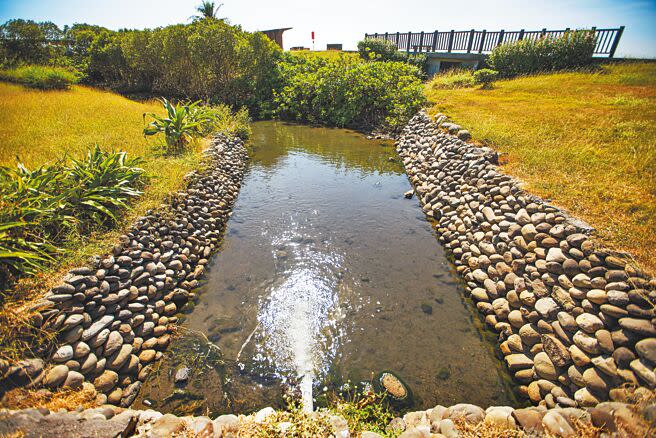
(468, 412)
(646, 349)
(106, 381)
(97, 326)
(589, 323)
(546, 307)
(63, 354)
(56, 376)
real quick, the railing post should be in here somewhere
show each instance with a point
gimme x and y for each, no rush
(544, 32)
(421, 40)
(521, 35)
(385, 36)
(451, 41)
(434, 41)
(618, 35)
(407, 49)
(482, 45)
(397, 40)
(471, 40)
(376, 35)
(500, 41)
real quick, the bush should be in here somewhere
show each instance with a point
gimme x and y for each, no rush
(208, 60)
(41, 208)
(454, 78)
(348, 93)
(376, 49)
(44, 78)
(485, 77)
(572, 50)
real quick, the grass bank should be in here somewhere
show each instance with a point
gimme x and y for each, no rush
(587, 141)
(40, 127)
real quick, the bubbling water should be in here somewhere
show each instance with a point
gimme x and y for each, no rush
(298, 328)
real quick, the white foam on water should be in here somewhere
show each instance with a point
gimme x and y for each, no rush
(298, 316)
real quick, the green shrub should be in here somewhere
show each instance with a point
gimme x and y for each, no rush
(485, 77)
(207, 60)
(572, 50)
(45, 78)
(376, 49)
(453, 78)
(41, 208)
(346, 92)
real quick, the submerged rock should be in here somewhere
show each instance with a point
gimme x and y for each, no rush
(394, 386)
(182, 375)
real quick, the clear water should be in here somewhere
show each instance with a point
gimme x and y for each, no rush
(327, 274)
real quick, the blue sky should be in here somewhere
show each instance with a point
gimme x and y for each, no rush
(344, 21)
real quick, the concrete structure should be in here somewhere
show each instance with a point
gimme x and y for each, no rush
(275, 35)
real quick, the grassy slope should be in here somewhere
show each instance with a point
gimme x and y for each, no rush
(585, 140)
(41, 126)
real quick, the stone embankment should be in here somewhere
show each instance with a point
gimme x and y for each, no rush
(608, 419)
(575, 321)
(115, 317)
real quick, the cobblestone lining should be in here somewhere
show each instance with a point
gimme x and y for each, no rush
(575, 321)
(115, 317)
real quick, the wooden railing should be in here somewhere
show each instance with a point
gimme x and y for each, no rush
(482, 41)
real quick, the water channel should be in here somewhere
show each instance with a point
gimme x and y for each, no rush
(327, 275)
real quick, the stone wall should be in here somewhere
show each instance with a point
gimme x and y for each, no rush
(116, 316)
(575, 321)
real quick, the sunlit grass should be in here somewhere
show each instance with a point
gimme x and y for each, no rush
(585, 140)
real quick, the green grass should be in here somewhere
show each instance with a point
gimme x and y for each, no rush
(42, 77)
(585, 140)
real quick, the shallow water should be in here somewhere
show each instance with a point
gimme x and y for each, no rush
(327, 274)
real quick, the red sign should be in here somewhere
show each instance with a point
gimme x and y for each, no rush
(313, 35)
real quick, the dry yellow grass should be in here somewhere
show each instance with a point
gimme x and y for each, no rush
(69, 399)
(40, 127)
(585, 140)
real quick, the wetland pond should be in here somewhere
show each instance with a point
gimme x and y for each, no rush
(326, 275)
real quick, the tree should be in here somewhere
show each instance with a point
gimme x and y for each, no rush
(30, 42)
(208, 11)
